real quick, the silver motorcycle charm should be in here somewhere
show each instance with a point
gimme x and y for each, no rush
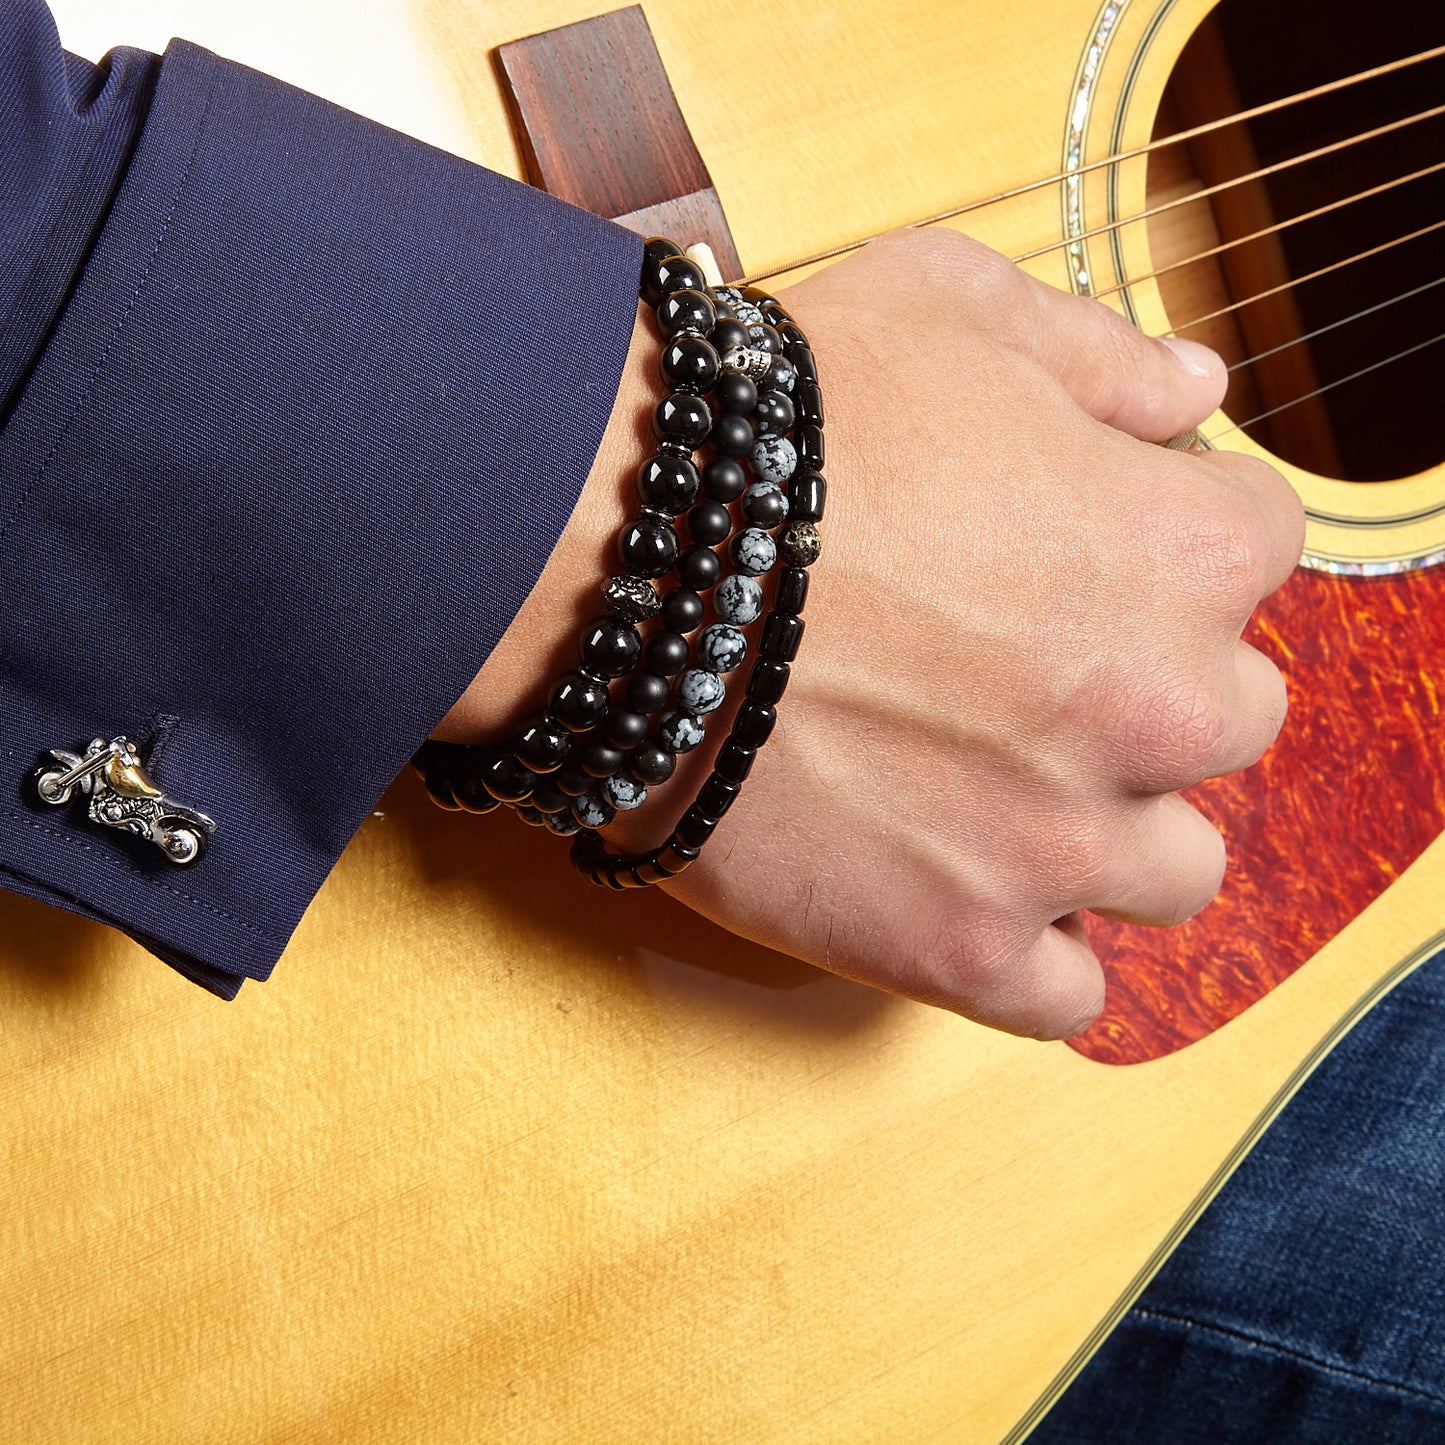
(122, 795)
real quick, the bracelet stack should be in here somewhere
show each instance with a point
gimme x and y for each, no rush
(739, 460)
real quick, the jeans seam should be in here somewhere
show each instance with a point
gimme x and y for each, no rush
(1275, 1347)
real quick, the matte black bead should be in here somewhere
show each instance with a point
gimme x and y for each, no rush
(600, 759)
(709, 523)
(753, 725)
(732, 435)
(647, 692)
(715, 797)
(682, 610)
(734, 762)
(807, 493)
(803, 364)
(611, 647)
(472, 796)
(667, 653)
(774, 414)
(781, 636)
(626, 727)
(543, 746)
(657, 250)
(764, 505)
(723, 479)
(735, 392)
(648, 547)
(682, 418)
(808, 439)
(678, 273)
(689, 363)
(699, 568)
(695, 828)
(507, 779)
(728, 334)
(765, 338)
(573, 780)
(547, 797)
(578, 702)
(668, 483)
(686, 311)
(808, 401)
(769, 680)
(792, 591)
(653, 763)
(674, 858)
(792, 334)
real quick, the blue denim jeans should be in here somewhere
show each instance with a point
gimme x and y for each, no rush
(1305, 1308)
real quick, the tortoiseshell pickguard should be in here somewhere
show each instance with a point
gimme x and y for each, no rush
(1349, 796)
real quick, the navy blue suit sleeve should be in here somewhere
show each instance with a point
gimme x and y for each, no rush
(295, 408)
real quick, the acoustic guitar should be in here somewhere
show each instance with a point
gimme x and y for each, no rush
(498, 1156)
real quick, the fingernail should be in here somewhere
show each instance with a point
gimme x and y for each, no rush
(1197, 360)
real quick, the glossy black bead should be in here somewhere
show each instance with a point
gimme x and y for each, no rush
(686, 311)
(678, 273)
(668, 483)
(709, 523)
(683, 419)
(682, 610)
(647, 692)
(764, 505)
(689, 363)
(572, 779)
(578, 702)
(657, 250)
(507, 779)
(769, 680)
(781, 636)
(728, 334)
(803, 364)
(610, 647)
(723, 479)
(472, 796)
(600, 759)
(754, 723)
(547, 797)
(648, 547)
(792, 335)
(626, 727)
(698, 568)
(653, 763)
(735, 392)
(695, 829)
(765, 338)
(807, 492)
(732, 435)
(792, 591)
(774, 414)
(734, 761)
(543, 746)
(675, 857)
(759, 297)
(808, 401)
(808, 439)
(439, 788)
(715, 797)
(667, 653)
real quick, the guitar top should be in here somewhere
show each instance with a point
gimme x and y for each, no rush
(498, 1156)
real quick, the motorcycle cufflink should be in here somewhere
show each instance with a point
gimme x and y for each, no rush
(122, 795)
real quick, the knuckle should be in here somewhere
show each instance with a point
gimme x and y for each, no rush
(1180, 733)
(1221, 550)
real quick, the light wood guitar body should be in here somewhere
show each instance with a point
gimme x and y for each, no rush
(498, 1156)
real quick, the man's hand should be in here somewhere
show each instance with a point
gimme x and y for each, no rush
(1023, 638)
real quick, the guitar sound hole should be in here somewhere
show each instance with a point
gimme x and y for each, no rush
(1389, 422)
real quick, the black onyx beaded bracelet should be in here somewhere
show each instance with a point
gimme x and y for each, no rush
(744, 386)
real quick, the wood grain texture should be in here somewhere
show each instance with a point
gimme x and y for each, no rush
(497, 1156)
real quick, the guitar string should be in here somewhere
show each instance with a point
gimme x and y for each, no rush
(1301, 280)
(1268, 108)
(1255, 175)
(1335, 325)
(1329, 386)
(1278, 226)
